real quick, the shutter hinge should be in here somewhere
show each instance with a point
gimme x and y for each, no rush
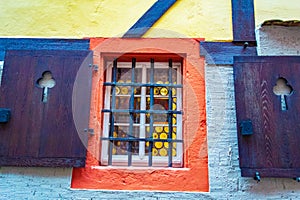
(95, 67)
(89, 130)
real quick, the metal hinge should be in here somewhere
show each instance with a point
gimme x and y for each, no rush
(89, 130)
(95, 67)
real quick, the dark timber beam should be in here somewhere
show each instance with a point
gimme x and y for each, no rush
(243, 22)
(42, 44)
(158, 9)
(244, 42)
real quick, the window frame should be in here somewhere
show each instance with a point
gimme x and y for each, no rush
(142, 160)
(195, 167)
(1, 70)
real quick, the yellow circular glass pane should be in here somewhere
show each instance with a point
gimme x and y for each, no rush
(173, 136)
(155, 135)
(163, 152)
(174, 120)
(156, 91)
(163, 136)
(124, 90)
(174, 145)
(174, 152)
(114, 151)
(158, 129)
(117, 90)
(154, 152)
(166, 144)
(164, 91)
(173, 91)
(115, 134)
(148, 128)
(174, 129)
(174, 106)
(158, 145)
(166, 129)
(174, 100)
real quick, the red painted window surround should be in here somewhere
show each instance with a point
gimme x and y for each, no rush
(193, 177)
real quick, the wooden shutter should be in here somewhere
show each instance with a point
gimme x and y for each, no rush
(51, 133)
(268, 136)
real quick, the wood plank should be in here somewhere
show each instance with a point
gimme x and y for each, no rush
(271, 172)
(222, 53)
(45, 130)
(42, 162)
(273, 147)
(243, 22)
(157, 10)
(39, 44)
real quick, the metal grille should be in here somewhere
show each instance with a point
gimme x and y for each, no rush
(158, 140)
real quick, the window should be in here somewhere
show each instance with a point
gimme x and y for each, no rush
(120, 148)
(142, 114)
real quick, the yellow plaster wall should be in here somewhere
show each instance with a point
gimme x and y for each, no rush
(210, 19)
(70, 18)
(276, 9)
(108, 18)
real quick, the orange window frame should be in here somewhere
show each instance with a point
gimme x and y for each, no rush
(193, 176)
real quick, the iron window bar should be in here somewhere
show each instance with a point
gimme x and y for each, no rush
(143, 84)
(130, 138)
(142, 111)
(150, 148)
(112, 120)
(170, 114)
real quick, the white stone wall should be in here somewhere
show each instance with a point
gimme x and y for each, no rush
(224, 173)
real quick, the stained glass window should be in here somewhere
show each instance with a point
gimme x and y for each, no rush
(142, 114)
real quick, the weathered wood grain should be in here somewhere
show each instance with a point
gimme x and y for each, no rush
(44, 130)
(274, 144)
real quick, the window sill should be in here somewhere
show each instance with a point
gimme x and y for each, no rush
(140, 168)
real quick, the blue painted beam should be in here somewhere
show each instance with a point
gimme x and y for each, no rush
(42, 44)
(222, 53)
(156, 11)
(243, 21)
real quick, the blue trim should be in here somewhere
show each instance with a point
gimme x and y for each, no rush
(2, 55)
(243, 22)
(44, 44)
(158, 9)
(222, 53)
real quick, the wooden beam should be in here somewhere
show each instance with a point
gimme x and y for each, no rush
(221, 53)
(42, 44)
(154, 13)
(243, 22)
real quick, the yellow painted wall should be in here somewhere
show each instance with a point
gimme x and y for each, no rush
(107, 18)
(196, 18)
(112, 18)
(276, 9)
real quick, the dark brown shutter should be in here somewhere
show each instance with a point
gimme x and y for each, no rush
(51, 133)
(268, 135)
